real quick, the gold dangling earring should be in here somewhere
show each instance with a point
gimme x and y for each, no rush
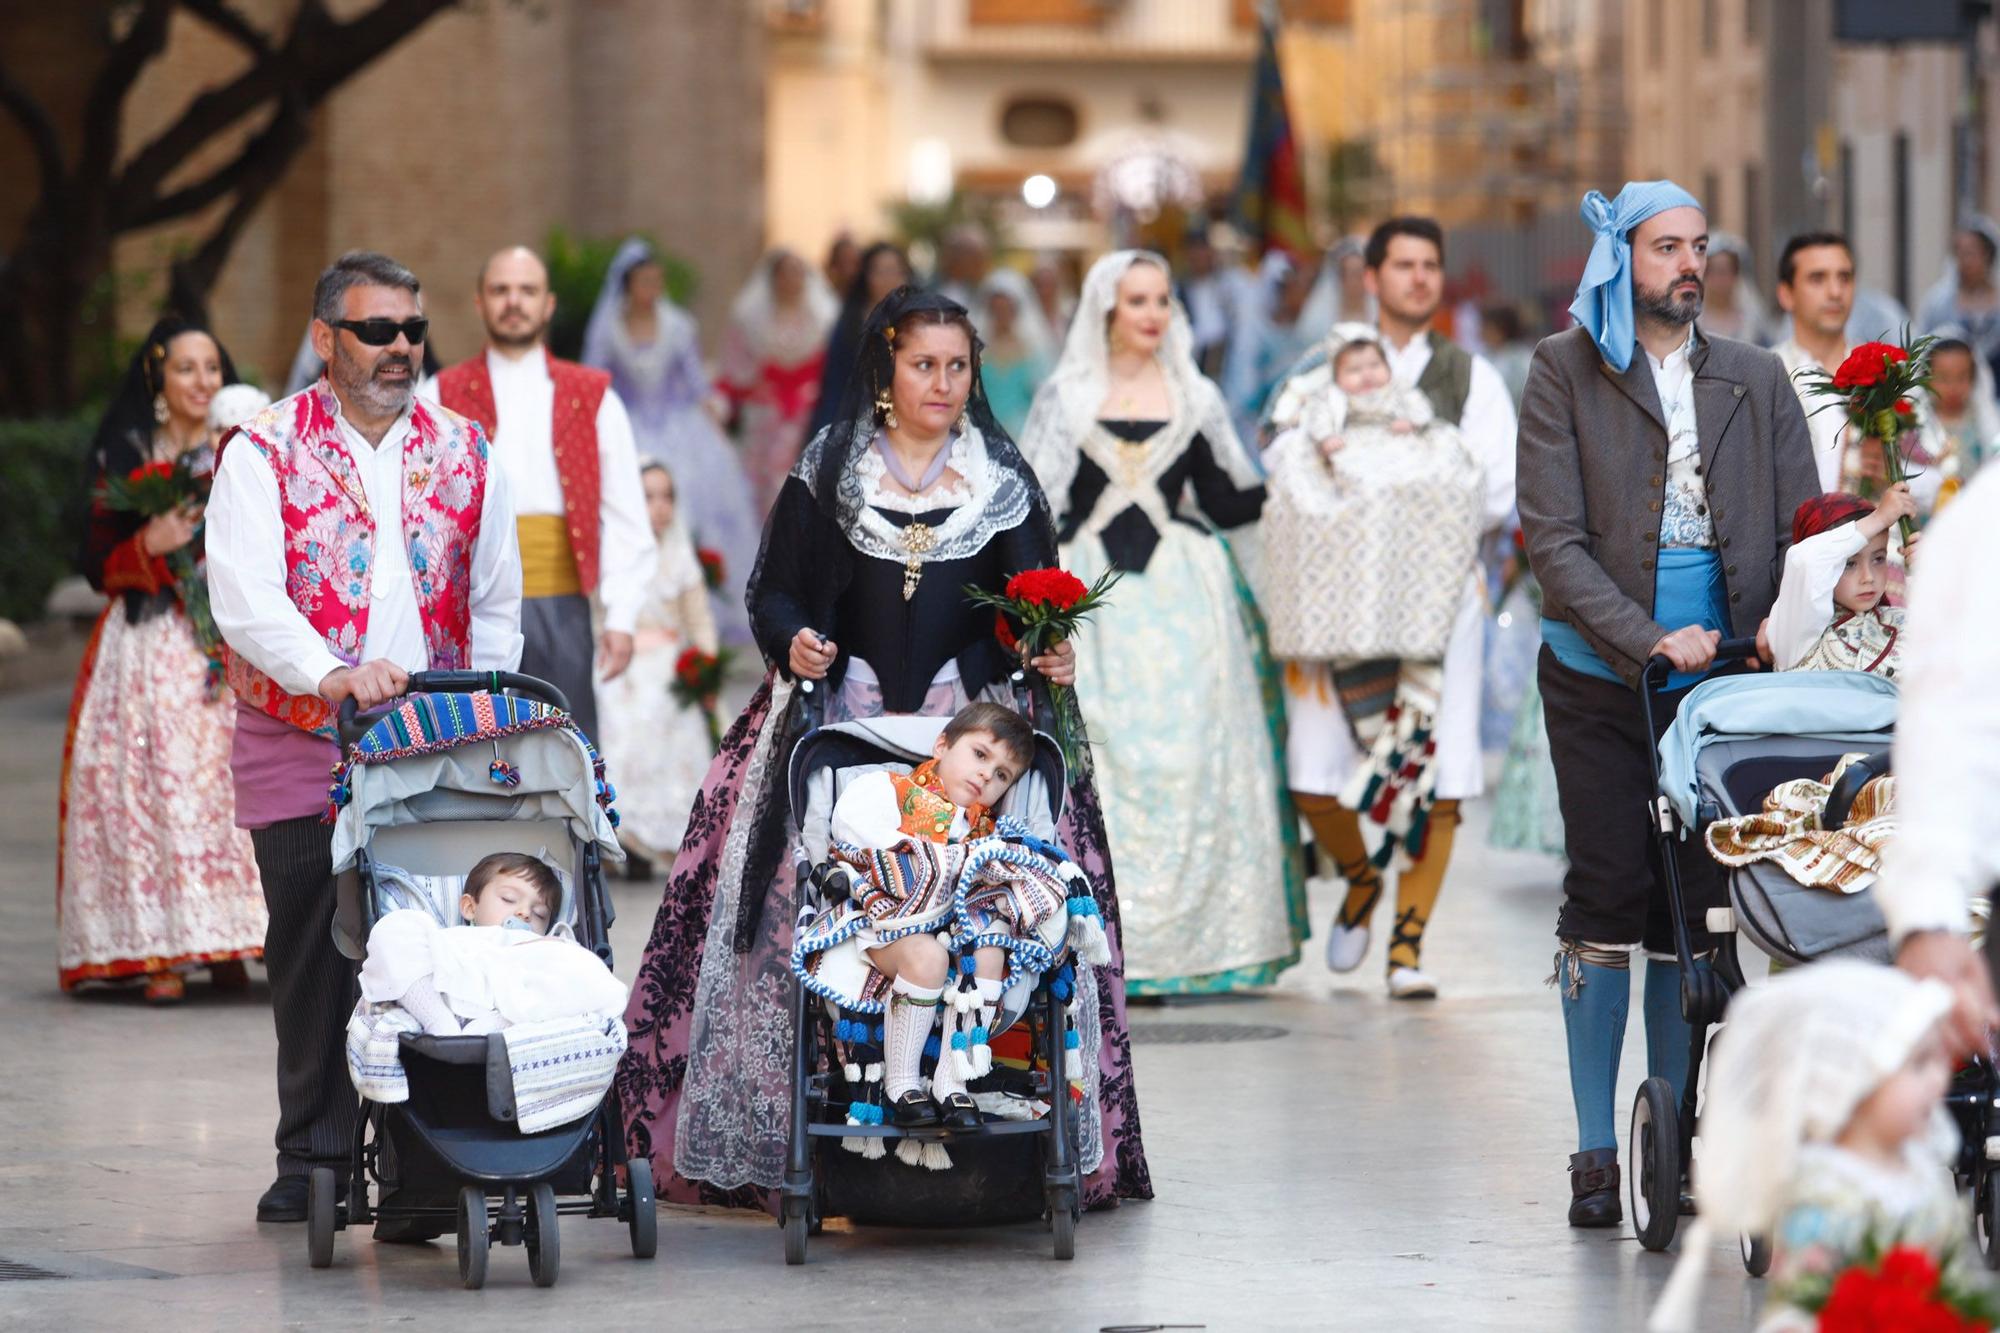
(160, 412)
(964, 421)
(885, 409)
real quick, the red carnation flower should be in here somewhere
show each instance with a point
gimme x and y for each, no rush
(146, 471)
(1904, 407)
(1047, 587)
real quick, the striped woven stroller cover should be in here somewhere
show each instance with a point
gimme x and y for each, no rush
(439, 758)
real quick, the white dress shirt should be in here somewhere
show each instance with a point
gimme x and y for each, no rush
(1947, 751)
(246, 569)
(1684, 519)
(524, 445)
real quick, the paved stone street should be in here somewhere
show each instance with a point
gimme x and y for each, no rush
(1375, 1167)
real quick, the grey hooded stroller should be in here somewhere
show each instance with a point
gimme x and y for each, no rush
(451, 773)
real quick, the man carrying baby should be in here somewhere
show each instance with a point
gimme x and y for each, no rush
(355, 535)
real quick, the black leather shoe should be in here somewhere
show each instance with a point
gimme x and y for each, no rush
(285, 1201)
(913, 1110)
(959, 1111)
(1593, 1189)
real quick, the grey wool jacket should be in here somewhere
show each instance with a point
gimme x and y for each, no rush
(1592, 457)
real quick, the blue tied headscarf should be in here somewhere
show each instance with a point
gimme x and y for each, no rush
(1604, 298)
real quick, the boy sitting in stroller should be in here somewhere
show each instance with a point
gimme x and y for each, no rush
(928, 873)
(501, 967)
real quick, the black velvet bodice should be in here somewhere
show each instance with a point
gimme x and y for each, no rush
(1130, 537)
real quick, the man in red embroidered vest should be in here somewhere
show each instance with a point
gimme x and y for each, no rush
(355, 534)
(562, 438)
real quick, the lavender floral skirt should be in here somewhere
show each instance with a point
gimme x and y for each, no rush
(706, 1080)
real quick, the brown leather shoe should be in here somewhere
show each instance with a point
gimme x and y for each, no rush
(1593, 1189)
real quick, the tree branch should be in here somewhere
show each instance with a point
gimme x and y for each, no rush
(41, 131)
(218, 14)
(317, 56)
(105, 108)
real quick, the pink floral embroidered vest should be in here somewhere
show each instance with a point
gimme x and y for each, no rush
(330, 536)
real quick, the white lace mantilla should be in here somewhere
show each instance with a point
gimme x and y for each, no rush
(995, 499)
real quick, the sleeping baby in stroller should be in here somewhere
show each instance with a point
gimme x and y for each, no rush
(929, 876)
(501, 967)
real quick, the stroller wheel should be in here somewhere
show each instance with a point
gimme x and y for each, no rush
(320, 1219)
(1062, 1221)
(1756, 1254)
(473, 1238)
(644, 1218)
(1986, 1216)
(1654, 1180)
(543, 1237)
(796, 1225)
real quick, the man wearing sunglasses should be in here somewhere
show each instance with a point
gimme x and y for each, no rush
(561, 435)
(355, 534)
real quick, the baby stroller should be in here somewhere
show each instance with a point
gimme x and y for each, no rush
(1008, 1169)
(1734, 739)
(453, 772)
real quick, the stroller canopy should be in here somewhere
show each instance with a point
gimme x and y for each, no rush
(1844, 706)
(454, 759)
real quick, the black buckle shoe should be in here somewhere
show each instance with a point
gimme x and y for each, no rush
(960, 1111)
(1593, 1189)
(913, 1110)
(285, 1201)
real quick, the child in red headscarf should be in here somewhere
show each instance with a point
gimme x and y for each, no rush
(1829, 614)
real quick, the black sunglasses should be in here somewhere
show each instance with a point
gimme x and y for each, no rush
(382, 332)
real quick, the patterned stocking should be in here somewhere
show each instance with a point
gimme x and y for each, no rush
(913, 1011)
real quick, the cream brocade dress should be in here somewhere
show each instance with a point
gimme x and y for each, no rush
(1180, 718)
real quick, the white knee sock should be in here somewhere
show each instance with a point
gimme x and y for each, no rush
(423, 1003)
(911, 1015)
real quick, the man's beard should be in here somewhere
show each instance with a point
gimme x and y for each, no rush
(514, 341)
(1666, 307)
(361, 385)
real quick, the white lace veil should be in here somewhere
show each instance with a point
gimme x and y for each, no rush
(606, 328)
(1066, 406)
(755, 308)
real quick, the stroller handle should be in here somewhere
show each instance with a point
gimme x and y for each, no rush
(354, 723)
(1658, 668)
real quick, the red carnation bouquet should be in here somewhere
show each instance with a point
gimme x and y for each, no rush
(1900, 1288)
(1877, 387)
(1048, 605)
(153, 489)
(712, 567)
(697, 683)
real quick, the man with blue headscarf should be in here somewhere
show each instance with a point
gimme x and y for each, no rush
(1658, 472)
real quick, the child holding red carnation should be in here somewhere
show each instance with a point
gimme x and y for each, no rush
(655, 746)
(1823, 1130)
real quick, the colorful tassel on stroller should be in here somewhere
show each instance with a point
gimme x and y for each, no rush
(1072, 1055)
(1086, 923)
(859, 1114)
(931, 1155)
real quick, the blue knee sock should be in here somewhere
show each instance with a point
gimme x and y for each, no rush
(1594, 1019)
(1667, 1033)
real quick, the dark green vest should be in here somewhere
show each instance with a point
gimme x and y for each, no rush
(1447, 380)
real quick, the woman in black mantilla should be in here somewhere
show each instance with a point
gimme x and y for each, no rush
(912, 493)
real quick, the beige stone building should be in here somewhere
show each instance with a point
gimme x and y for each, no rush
(1780, 128)
(490, 125)
(872, 103)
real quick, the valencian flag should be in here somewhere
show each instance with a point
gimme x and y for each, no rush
(1270, 203)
